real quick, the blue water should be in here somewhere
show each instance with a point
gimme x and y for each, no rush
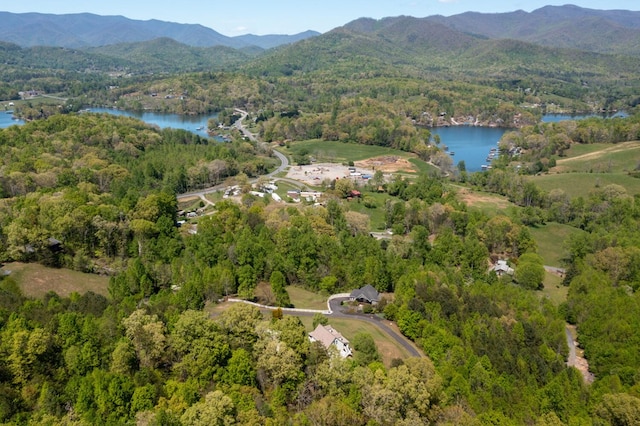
(193, 123)
(469, 143)
(7, 120)
(554, 118)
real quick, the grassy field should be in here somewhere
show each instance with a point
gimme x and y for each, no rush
(601, 158)
(553, 289)
(489, 204)
(593, 166)
(284, 186)
(305, 299)
(578, 149)
(550, 238)
(377, 215)
(423, 167)
(341, 152)
(581, 184)
(36, 280)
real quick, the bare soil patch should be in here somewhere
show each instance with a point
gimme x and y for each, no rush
(387, 163)
(472, 198)
(315, 174)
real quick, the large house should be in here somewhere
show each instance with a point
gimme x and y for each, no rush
(365, 294)
(328, 336)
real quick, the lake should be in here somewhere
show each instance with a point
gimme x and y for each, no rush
(554, 118)
(7, 120)
(469, 143)
(193, 123)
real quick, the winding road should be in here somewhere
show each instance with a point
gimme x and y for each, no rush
(334, 303)
(284, 164)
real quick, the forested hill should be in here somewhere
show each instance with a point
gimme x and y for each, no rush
(89, 30)
(568, 26)
(409, 46)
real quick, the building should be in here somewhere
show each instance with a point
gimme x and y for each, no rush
(329, 336)
(501, 267)
(366, 294)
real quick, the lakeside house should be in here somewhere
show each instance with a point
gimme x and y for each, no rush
(329, 336)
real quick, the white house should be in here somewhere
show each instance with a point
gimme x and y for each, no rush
(501, 267)
(328, 336)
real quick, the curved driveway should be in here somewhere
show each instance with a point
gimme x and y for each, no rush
(336, 311)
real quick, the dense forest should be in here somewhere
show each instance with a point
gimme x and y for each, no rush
(98, 193)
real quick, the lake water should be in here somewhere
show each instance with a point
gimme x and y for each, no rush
(469, 143)
(193, 123)
(7, 120)
(554, 118)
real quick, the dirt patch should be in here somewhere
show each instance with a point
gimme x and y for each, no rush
(388, 164)
(315, 174)
(472, 198)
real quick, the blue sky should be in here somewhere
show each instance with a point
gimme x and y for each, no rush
(288, 16)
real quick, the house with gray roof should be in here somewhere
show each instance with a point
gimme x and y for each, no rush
(366, 294)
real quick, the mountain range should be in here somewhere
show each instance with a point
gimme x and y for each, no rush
(603, 31)
(88, 30)
(547, 41)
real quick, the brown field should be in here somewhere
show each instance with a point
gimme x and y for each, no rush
(387, 163)
(479, 199)
(36, 280)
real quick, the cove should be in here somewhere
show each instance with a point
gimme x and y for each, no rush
(6, 119)
(470, 144)
(193, 123)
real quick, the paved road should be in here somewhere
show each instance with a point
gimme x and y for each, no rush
(284, 164)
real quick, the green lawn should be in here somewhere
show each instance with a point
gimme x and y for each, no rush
(578, 149)
(284, 186)
(423, 167)
(550, 238)
(553, 289)
(305, 299)
(341, 152)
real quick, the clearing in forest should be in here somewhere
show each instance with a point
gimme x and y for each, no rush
(36, 280)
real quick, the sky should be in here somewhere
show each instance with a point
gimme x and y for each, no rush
(262, 17)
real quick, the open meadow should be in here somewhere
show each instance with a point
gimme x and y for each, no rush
(593, 166)
(550, 238)
(36, 280)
